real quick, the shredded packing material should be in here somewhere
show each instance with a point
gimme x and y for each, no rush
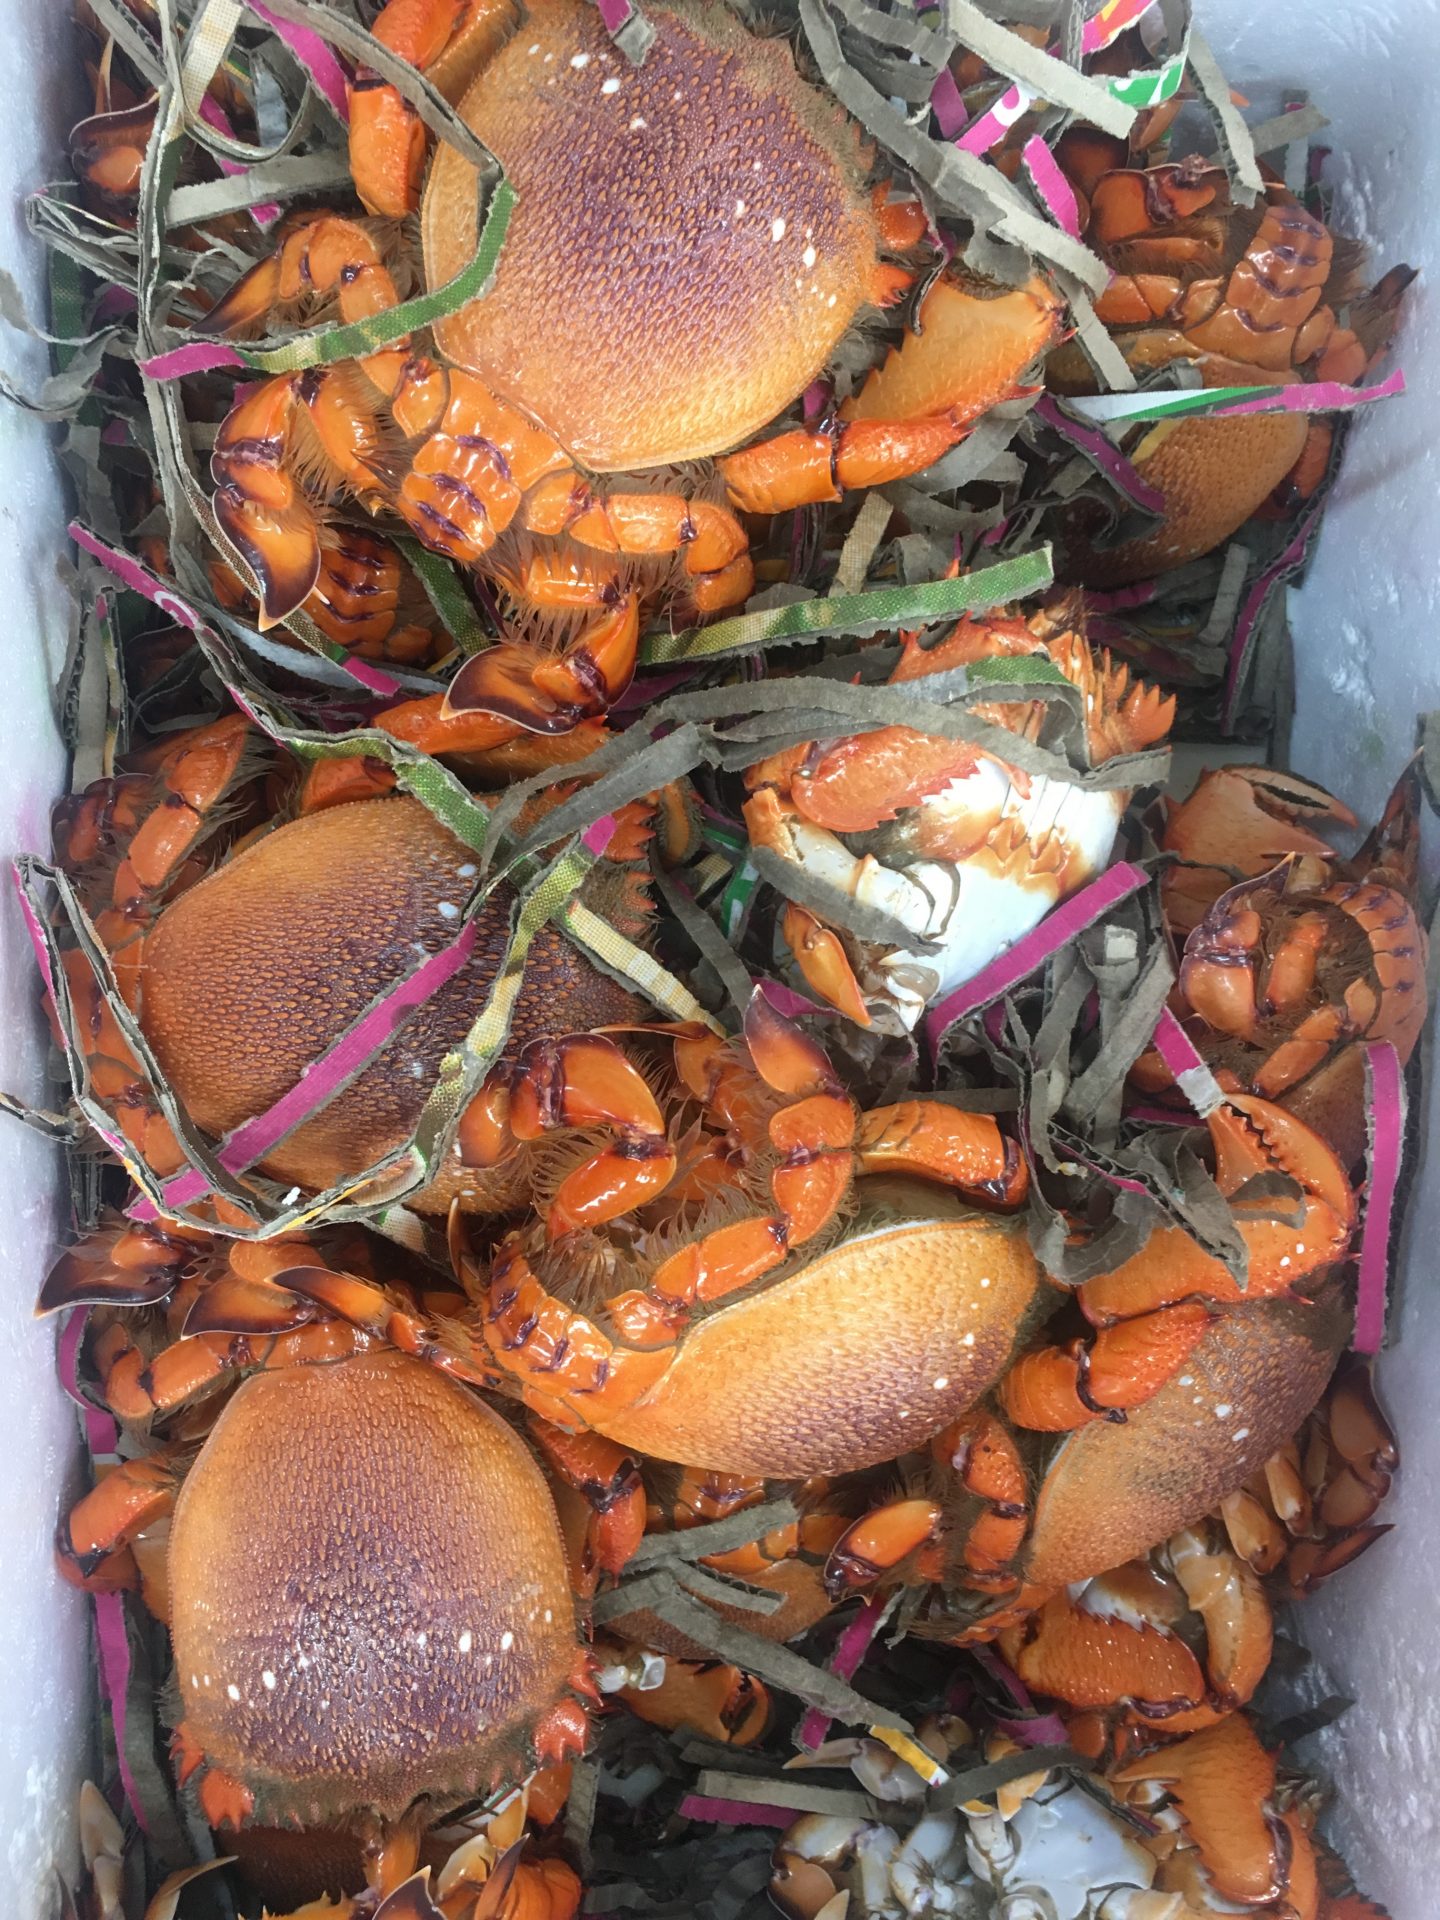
(1053, 1026)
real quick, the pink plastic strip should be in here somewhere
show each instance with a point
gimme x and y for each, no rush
(787, 1001)
(128, 570)
(114, 1650)
(1036, 1729)
(102, 1431)
(216, 116)
(1321, 396)
(324, 1077)
(1121, 598)
(1192, 1073)
(1081, 910)
(322, 1080)
(853, 1645)
(992, 127)
(614, 13)
(198, 356)
(1055, 191)
(1102, 451)
(37, 937)
(736, 1813)
(101, 1435)
(1386, 1103)
(1110, 22)
(315, 55)
(949, 108)
(1250, 612)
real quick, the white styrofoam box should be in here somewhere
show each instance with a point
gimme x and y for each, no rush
(1365, 623)
(1365, 618)
(46, 1712)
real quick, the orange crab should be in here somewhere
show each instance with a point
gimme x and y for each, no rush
(491, 454)
(319, 915)
(460, 1622)
(1119, 1653)
(1186, 1388)
(960, 847)
(1286, 973)
(1249, 298)
(767, 1340)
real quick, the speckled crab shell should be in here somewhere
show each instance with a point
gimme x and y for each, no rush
(716, 202)
(370, 1599)
(1113, 1491)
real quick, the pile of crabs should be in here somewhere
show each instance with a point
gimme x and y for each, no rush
(718, 1257)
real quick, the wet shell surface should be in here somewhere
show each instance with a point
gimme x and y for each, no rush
(1213, 475)
(1115, 1491)
(370, 1597)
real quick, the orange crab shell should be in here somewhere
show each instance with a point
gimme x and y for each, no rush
(252, 973)
(1212, 475)
(855, 1357)
(1113, 1491)
(714, 202)
(388, 1626)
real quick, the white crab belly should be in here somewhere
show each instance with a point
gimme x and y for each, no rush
(1047, 843)
(1061, 1855)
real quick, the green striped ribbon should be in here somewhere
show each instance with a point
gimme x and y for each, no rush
(917, 605)
(324, 345)
(446, 595)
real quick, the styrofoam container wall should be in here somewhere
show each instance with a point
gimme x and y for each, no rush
(1367, 618)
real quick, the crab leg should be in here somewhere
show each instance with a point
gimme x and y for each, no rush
(449, 41)
(710, 1697)
(607, 1478)
(1251, 1137)
(969, 353)
(927, 1137)
(983, 1457)
(883, 1541)
(1058, 1388)
(128, 1499)
(1222, 1780)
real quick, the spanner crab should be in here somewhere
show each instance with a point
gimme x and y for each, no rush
(578, 364)
(387, 1634)
(318, 915)
(1184, 1388)
(1248, 297)
(1285, 974)
(956, 844)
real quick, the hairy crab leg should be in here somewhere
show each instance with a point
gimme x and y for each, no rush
(985, 1462)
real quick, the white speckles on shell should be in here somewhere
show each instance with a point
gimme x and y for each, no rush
(579, 61)
(612, 85)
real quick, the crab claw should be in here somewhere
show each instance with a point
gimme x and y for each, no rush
(1251, 1138)
(1222, 1780)
(1240, 821)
